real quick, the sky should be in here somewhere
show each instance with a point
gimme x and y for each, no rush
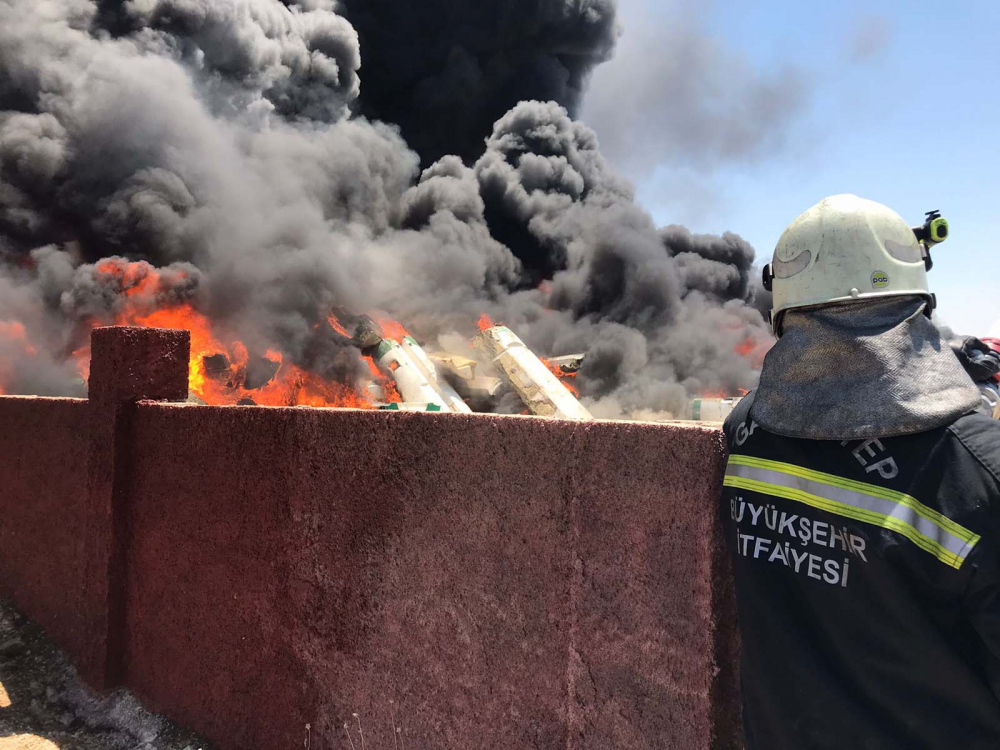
(739, 116)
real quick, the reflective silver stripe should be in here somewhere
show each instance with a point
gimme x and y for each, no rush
(926, 528)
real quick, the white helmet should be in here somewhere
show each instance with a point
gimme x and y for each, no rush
(842, 249)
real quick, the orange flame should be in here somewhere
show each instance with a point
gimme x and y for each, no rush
(17, 344)
(392, 329)
(564, 377)
(289, 386)
(336, 325)
(390, 394)
(753, 348)
(81, 358)
(14, 331)
(484, 322)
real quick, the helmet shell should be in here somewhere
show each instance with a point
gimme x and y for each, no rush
(842, 249)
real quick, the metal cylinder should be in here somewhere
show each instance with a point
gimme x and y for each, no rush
(416, 385)
(444, 389)
(537, 386)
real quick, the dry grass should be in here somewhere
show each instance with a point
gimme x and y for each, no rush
(398, 739)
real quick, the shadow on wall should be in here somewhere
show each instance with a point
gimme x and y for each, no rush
(480, 580)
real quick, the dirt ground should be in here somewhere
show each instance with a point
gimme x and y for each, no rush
(45, 706)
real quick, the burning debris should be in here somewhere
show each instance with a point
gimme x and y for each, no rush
(191, 164)
(422, 386)
(416, 377)
(532, 379)
(463, 374)
(402, 365)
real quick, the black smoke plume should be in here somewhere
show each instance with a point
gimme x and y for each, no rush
(444, 71)
(247, 158)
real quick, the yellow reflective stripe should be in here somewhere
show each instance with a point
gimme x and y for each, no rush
(859, 514)
(868, 489)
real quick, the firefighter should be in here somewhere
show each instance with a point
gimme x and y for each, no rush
(861, 505)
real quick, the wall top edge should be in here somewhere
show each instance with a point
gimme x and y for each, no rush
(9, 397)
(710, 427)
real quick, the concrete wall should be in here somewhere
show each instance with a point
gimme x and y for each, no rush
(43, 492)
(490, 582)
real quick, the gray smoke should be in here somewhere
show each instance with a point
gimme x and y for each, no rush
(872, 34)
(162, 151)
(676, 97)
(660, 313)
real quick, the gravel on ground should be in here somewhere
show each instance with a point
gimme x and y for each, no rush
(45, 706)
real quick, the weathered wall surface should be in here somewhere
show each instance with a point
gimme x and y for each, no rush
(490, 582)
(127, 364)
(43, 487)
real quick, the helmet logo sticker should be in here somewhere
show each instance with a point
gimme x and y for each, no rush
(880, 279)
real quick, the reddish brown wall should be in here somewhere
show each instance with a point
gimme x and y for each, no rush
(127, 364)
(495, 582)
(506, 582)
(43, 487)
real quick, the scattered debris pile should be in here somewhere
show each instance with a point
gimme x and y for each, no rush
(405, 377)
(534, 381)
(466, 377)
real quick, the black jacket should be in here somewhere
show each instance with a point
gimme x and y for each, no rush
(868, 586)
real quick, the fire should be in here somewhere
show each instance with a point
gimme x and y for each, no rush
(135, 278)
(81, 358)
(218, 368)
(484, 322)
(336, 325)
(14, 341)
(392, 329)
(389, 392)
(11, 329)
(202, 342)
(566, 378)
(14, 331)
(754, 348)
(720, 393)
